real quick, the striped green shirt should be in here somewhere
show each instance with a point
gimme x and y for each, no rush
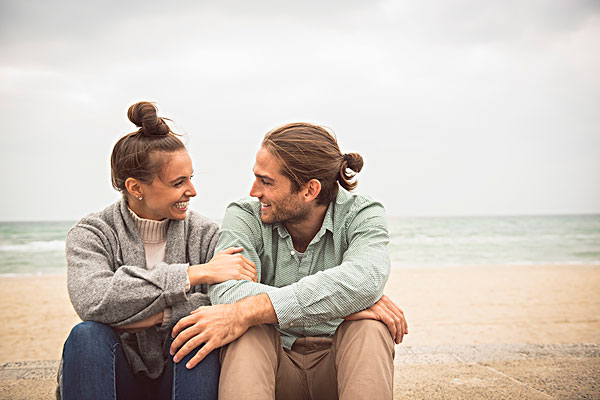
(343, 270)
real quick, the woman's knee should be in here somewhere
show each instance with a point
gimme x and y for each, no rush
(200, 382)
(89, 334)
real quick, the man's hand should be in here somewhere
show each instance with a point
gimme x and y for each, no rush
(142, 325)
(386, 311)
(215, 326)
(218, 325)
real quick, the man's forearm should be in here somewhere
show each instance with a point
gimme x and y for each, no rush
(218, 325)
(256, 310)
(232, 291)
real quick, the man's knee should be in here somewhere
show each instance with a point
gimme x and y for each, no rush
(364, 358)
(257, 339)
(364, 326)
(249, 364)
(368, 332)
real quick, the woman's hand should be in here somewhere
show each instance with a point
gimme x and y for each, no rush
(225, 265)
(142, 325)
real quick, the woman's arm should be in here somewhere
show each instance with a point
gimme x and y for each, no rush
(120, 295)
(225, 265)
(117, 295)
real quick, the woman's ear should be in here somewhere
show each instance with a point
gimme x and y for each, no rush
(134, 188)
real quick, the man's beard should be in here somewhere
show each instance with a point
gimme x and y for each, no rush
(289, 210)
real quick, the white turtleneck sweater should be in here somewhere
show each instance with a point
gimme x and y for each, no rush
(154, 236)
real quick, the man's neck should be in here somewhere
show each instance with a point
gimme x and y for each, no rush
(304, 231)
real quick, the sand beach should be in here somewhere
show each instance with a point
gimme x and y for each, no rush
(462, 320)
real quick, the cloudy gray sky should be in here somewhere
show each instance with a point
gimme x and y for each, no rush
(458, 107)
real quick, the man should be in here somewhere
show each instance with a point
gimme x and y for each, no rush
(321, 257)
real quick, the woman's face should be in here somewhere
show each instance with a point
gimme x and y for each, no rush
(169, 193)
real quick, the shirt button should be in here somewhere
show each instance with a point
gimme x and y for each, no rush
(291, 324)
(292, 252)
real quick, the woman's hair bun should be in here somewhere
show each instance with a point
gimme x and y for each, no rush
(145, 116)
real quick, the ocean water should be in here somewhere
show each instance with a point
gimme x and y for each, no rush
(506, 240)
(33, 247)
(38, 247)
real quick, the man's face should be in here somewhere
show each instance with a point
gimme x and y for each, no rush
(274, 191)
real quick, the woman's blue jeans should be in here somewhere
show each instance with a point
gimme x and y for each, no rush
(95, 367)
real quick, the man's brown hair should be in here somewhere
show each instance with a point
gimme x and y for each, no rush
(308, 151)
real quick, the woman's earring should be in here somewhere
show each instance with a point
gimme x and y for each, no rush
(140, 198)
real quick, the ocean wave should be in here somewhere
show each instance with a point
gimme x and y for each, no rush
(405, 265)
(36, 246)
(32, 274)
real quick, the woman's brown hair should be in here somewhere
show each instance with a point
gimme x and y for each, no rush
(135, 154)
(309, 151)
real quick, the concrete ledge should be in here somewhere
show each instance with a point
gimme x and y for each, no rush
(482, 371)
(480, 353)
(29, 370)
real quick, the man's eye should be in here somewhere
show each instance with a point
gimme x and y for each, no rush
(178, 184)
(266, 183)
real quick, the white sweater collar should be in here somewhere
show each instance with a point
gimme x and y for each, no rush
(150, 231)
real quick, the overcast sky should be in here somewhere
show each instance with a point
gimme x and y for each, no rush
(458, 107)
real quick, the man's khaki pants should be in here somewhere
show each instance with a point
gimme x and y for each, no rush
(358, 363)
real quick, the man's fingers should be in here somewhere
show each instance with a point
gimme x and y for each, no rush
(388, 321)
(400, 329)
(400, 314)
(397, 321)
(203, 352)
(398, 311)
(189, 345)
(364, 314)
(197, 310)
(184, 323)
(405, 324)
(184, 335)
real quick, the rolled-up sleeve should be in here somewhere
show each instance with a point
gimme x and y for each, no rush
(127, 295)
(333, 292)
(354, 285)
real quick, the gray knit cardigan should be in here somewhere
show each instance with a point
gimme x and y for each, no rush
(108, 281)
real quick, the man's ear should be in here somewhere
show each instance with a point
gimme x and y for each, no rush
(312, 190)
(133, 187)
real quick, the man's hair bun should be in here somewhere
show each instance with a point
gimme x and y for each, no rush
(354, 161)
(145, 116)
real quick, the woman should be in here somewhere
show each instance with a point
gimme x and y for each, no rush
(137, 267)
